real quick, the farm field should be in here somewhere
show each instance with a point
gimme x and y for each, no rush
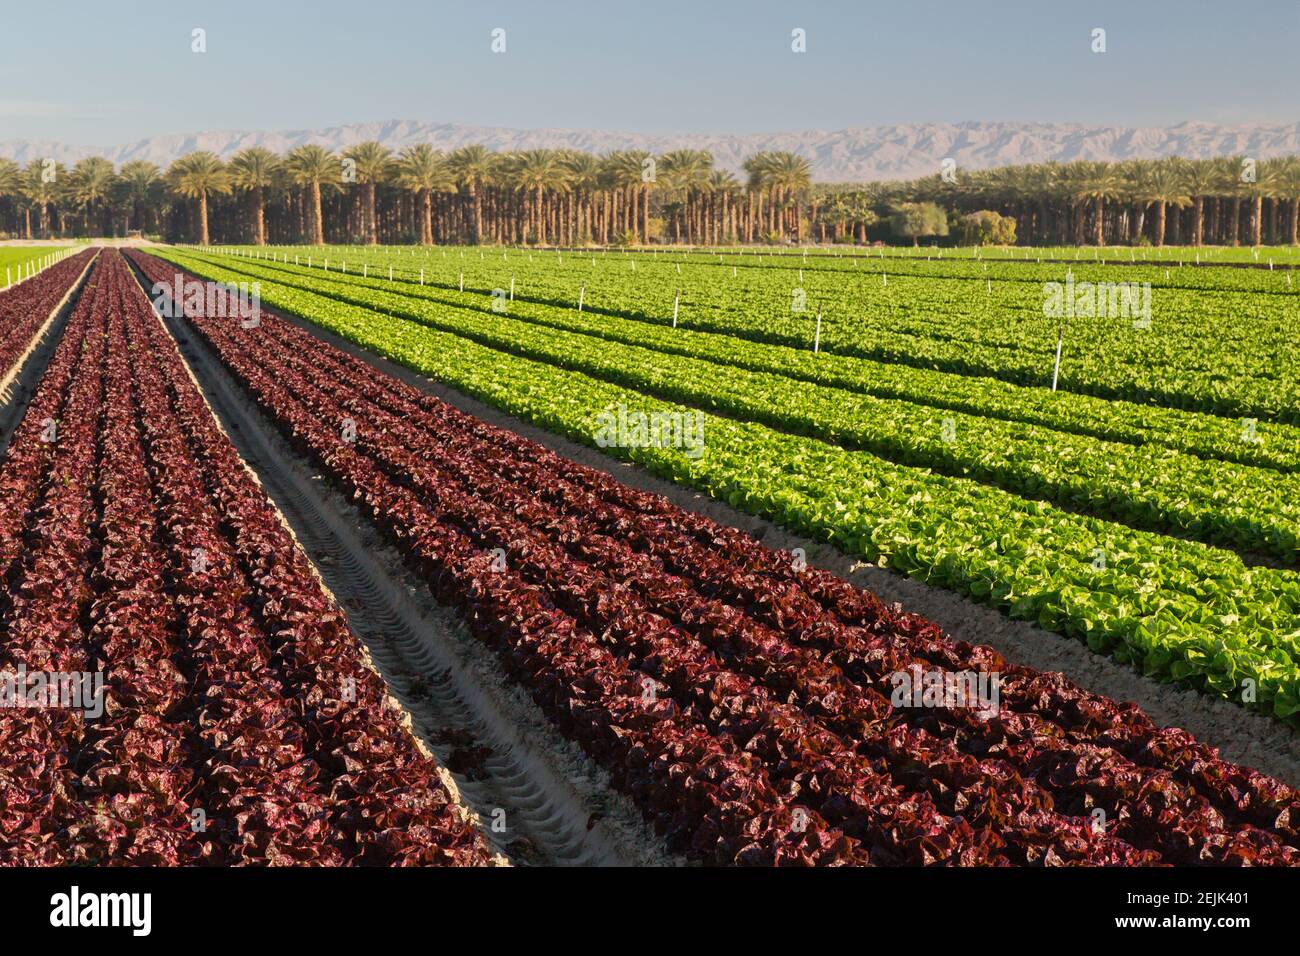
(1162, 536)
(322, 603)
(947, 316)
(137, 548)
(17, 262)
(712, 677)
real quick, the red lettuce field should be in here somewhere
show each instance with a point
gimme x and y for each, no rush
(239, 721)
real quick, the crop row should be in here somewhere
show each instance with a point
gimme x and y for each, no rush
(1147, 487)
(241, 723)
(637, 638)
(1173, 609)
(24, 308)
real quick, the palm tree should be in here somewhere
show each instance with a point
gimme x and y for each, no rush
(499, 184)
(1165, 184)
(1039, 182)
(1101, 184)
(1201, 179)
(90, 184)
(199, 175)
(686, 171)
(788, 175)
(139, 189)
(1076, 181)
(537, 171)
(471, 166)
(1288, 187)
(722, 189)
(1268, 183)
(254, 171)
(11, 186)
(757, 167)
(374, 165)
(315, 169)
(41, 190)
(1229, 189)
(423, 170)
(585, 181)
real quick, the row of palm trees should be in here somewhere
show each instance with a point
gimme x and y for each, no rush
(369, 194)
(1225, 201)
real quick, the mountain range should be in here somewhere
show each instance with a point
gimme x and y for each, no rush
(849, 155)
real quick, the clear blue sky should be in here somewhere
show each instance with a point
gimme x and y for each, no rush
(104, 73)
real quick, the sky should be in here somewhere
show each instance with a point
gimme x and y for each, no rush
(101, 74)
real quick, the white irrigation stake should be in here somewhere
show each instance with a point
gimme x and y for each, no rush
(1060, 339)
(462, 281)
(421, 277)
(512, 287)
(817, 336)
(676, 299)
(390, 273)
(583, 291)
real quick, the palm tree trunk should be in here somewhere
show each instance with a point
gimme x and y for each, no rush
(259, 216)
(541, 221)
(1160, 222)
(1294, 232)
(426, 217)
(1099, 213)
(477, 202)
(203, 219)
(371, 224)
(1198, 220)
(1234, 223)
(1257, 220)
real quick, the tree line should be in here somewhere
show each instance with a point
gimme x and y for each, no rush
(369, 194)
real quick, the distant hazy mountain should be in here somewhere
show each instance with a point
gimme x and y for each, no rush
(883, 152)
